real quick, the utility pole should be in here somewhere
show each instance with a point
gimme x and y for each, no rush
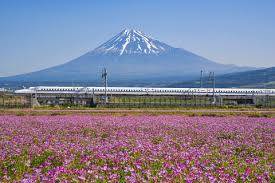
(104, 77)
(213, 80)
(201, 79)
(265, 88)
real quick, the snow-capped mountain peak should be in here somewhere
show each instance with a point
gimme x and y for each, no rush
(131, 41)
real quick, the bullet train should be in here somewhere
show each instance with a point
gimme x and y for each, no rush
(144, 91)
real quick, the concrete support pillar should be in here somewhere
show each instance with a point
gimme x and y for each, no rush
(34, 101)
(254, 100)
(221, 101)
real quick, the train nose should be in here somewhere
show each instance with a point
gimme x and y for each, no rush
(22, 91)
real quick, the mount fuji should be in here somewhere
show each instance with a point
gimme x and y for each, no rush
(130, 56)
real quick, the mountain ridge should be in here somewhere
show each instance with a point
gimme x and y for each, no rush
(260, 78)
(130, 55)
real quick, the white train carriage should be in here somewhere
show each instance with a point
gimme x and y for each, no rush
(146, 91)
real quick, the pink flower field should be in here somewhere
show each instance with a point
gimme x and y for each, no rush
(165, 148)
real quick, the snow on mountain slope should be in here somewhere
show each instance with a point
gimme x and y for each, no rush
(131, 41)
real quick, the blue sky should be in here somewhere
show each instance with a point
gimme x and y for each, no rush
(35, 34)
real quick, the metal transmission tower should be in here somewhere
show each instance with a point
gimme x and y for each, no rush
(104, 77)
(212, 75)
(201, 78)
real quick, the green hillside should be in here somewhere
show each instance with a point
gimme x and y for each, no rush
(262, 78)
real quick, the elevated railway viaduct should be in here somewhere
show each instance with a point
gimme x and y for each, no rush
(150, 97)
